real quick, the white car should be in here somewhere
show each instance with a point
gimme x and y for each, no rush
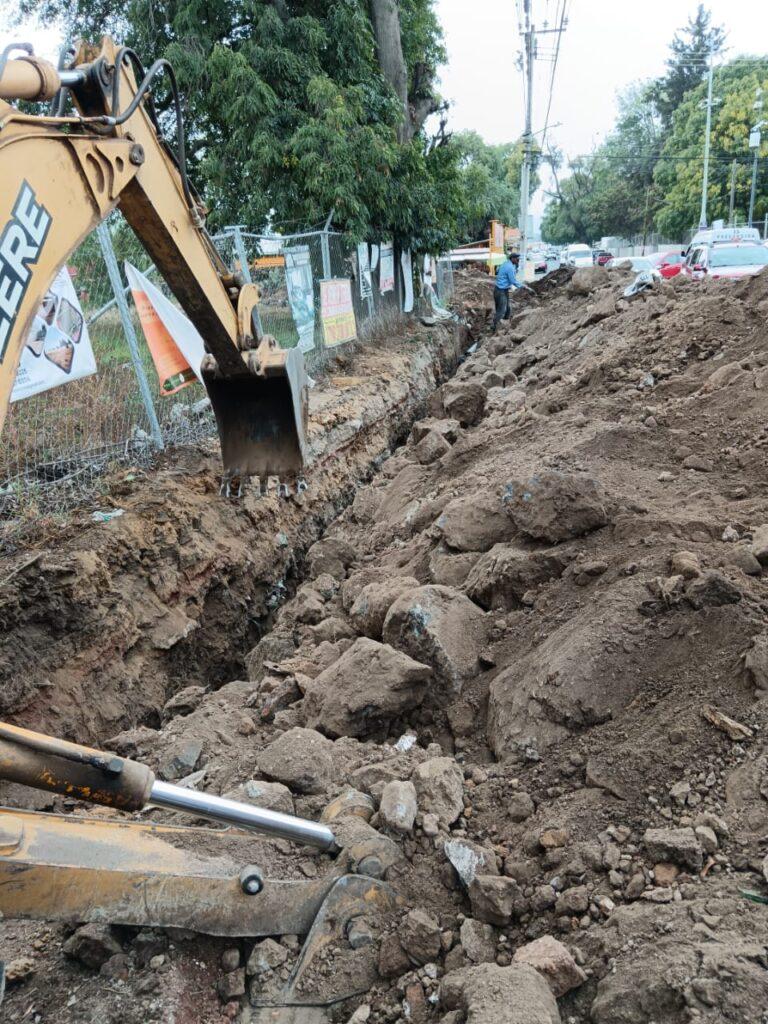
(634, 263)
(744, 259)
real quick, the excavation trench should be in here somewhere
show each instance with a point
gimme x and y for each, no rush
(531, 642)
(103, 624)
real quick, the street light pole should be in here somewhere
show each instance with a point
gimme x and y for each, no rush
(705, 183)
(525, 172)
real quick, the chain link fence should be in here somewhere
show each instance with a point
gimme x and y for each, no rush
(58, 445)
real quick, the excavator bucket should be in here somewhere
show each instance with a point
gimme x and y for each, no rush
(262, 416)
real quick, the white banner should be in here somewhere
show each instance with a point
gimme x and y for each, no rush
(301, 295)
(405, 263)
(364, 271)
(58, 346)
(182, 331)
(386, 269)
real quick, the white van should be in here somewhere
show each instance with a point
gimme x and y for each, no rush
(578, 256)
(716, 236)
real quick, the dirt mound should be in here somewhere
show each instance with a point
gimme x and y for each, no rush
(561, 736)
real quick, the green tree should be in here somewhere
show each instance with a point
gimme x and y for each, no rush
(298, 107)
(679, 171)
(490, 177)
(687, 63)
(613, 191)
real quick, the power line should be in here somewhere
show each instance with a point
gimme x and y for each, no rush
(560, 30)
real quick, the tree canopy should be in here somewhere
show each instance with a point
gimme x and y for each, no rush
(295, 108)
(648, 173)
(490, 180)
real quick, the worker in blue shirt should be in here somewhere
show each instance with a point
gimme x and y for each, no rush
(506, 278)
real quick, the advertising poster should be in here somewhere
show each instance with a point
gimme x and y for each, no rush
(386, 269)
(301, 295)
(173, 341)
(58, 346)
(405, 263)
(364, 271)
(336, 311)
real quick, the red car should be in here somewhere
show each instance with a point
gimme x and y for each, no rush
(602, 257)
(668, 264)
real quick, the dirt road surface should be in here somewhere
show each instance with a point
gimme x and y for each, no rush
(521, 613)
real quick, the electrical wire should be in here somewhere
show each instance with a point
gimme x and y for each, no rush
(560, 30)
(145, 78)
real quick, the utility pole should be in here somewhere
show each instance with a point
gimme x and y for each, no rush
(754, 143)
(525, 173)
(707, 130)
(733, 194)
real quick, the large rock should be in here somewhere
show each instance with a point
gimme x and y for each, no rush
(92, 944)
(398, 806)
(439, 627)
(369, 686)
(272, 796)
(760, 544)
(432, 447)
(449, 429)
(301, 759)
(464, 401)
(449, 569)
(420, 936)
(439, 786)
(756, 661)
(712, 590)
(569, 681)
(272, 648)
(374, 601)
(489, 994)
(500, 578)
(586, 279)
(554, 962)
(553, 506)
(331, 555)
(496, 899)
(678, 845)
(478, 940)
(474, 523)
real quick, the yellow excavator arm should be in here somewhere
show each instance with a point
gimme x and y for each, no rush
(62, 176)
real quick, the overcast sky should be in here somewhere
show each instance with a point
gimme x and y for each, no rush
(607, 45)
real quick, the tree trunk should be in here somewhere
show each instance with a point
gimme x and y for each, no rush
(385, 17)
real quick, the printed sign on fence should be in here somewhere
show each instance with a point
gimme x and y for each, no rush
(301, 296)
(336, 311)
(58, 346)
(174, 342)
(386, 269)
(405, 263)
(364, 271)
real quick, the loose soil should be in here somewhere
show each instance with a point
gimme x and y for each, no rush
(545, 609)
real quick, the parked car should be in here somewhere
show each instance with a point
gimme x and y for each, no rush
(743, 259)
(538, 261)
(634, 263)
(601, 257)
(718, 236)
(668, 264)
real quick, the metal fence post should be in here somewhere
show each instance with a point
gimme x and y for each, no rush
(130, 335)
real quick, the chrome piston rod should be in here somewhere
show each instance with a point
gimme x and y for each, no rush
(232, 812)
